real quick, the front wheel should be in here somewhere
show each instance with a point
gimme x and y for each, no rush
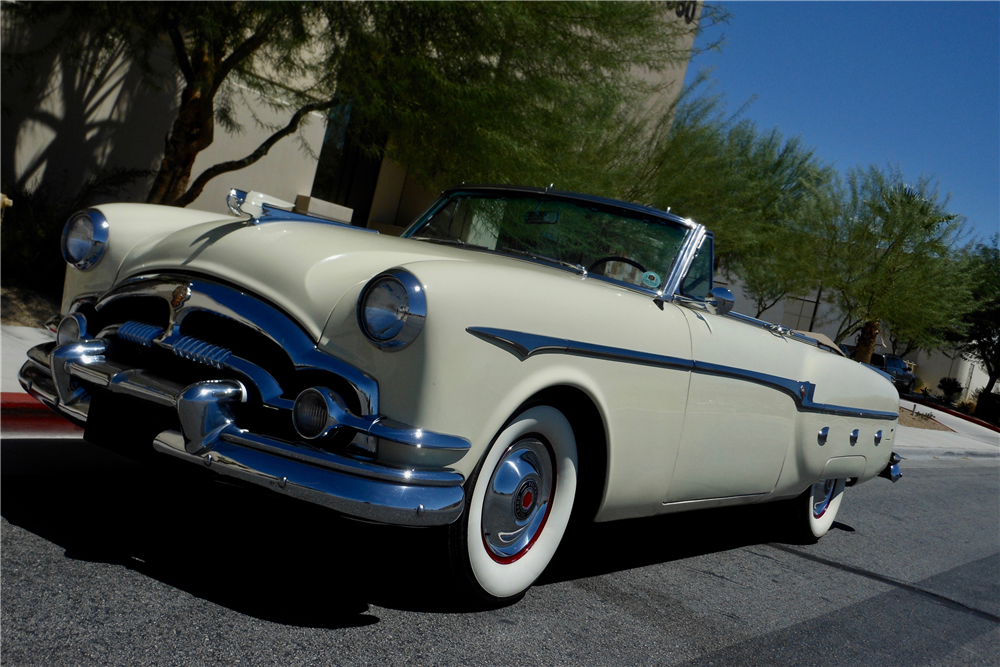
(518, 503)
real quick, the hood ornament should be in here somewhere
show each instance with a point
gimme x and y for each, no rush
(181, 294)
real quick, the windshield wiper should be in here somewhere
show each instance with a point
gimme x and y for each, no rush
(578, 268)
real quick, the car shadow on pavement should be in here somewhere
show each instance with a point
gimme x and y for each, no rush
(623, 545)
(259, 554)
(289, 562)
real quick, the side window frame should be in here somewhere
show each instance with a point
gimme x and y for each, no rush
(709, 240)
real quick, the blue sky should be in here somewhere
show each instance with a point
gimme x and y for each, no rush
(912, 84)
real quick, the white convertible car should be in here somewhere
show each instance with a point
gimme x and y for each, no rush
(518, 357)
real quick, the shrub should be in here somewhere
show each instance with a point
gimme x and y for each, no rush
(950, 388)
(32, 227)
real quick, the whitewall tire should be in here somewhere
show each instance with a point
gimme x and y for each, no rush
(518, 504)
(822, 500)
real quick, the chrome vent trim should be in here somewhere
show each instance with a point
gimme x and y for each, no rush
(189, 347)
(137, 332)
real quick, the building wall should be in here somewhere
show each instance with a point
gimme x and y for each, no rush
(62, 124)
(287, 170)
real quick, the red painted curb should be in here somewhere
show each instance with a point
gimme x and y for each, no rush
(23, 414)
(953, 413)
(16, 399)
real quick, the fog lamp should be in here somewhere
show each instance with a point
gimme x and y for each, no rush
(317, 412)
(71, 329)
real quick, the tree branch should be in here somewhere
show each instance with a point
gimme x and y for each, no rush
(183, 63)
(233, 165)
(241, 53)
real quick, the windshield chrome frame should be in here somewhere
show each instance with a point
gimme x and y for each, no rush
(693, 232)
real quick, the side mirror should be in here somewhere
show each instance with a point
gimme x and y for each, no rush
(720, 301)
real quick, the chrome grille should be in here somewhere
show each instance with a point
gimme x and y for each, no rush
(137, 332)
(189, 347)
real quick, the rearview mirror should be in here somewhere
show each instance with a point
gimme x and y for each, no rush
(720, 300)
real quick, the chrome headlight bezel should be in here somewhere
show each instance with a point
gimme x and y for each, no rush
(98, 233)
(412, 313)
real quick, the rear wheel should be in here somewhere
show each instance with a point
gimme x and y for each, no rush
(817, 508)
(518, 503)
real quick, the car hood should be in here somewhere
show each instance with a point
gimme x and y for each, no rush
(305, 268)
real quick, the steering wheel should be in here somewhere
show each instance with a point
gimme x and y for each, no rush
(616, 258)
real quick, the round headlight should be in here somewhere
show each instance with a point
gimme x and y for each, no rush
(391, 309)
(84, 239)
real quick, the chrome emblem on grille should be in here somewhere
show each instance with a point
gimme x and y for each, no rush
(181, 294)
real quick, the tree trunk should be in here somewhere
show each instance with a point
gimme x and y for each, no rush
(988, 389)
(866, 342)
(192, 132)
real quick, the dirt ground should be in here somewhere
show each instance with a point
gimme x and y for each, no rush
(918, 421)
(24, 308)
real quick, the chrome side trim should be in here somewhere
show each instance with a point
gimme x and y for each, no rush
(523, 346)
(713, 500)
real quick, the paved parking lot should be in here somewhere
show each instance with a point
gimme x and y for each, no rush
(105, 562)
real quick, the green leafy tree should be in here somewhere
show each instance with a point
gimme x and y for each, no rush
(877, 253)
(758, 192)
(925, 312)
(981, 337)
(491, 91)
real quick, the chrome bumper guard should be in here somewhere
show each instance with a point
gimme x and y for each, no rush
(891, 471)
(210, 436)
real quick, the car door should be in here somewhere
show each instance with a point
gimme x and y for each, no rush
(736, 430)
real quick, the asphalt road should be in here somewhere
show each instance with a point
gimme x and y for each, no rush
(105, 562)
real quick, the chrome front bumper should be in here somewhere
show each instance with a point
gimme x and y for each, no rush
(210, 436)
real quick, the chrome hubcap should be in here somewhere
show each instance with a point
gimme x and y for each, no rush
(822, 494)
(518, 499)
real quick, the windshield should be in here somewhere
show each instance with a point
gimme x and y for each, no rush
(605, 240)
